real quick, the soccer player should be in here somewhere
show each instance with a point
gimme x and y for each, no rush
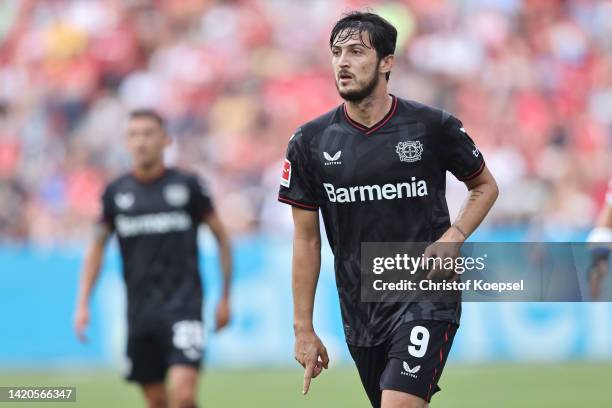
(600, 240)
(375, 166)
(155, 212)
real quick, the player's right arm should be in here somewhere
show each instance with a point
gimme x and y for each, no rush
(309, 350)
(298, 190)
(89, 276)
(92, 264)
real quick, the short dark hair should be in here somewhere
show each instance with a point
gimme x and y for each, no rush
(383, 36)
(149, 114)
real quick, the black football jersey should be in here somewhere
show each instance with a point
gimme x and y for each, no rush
(156, 224)
(384, 183)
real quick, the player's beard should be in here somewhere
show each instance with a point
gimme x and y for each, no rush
(359, 95)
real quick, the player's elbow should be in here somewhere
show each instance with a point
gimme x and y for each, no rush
(494, 190)
(94, 253)
(307, 242)
(490, 191)
(313, 243)
(225, 243)
(485, 184)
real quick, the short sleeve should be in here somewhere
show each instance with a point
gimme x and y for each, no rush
(458, 151)
(107, 215)
(201, 201)
(296, 181)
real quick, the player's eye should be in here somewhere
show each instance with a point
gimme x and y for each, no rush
(335, 52)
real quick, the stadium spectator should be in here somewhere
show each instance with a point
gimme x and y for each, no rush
(235, 78)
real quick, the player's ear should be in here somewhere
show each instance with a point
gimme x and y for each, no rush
(386, 64)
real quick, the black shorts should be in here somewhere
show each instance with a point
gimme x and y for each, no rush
(410, 361)
(152, 351)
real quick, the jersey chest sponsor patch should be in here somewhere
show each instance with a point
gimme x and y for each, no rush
(376, 192)
(150, 224)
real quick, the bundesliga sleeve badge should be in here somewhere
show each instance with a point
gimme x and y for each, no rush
(286, 175)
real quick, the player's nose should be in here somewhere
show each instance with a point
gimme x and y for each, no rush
(343, 61)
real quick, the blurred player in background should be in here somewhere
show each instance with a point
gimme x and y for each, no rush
(376, 167)
(600, 239)
(155, 212)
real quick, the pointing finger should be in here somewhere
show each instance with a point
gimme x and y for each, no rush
(307, 377)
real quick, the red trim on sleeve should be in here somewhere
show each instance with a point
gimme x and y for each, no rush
(475, 174)
(303, 206)
(207, 212)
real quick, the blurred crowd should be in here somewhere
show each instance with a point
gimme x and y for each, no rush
(530, 79)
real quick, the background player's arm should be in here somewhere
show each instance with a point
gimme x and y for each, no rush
(89, 276)
(225, 250)
(599, 242)
(309, 350)
(605, 217)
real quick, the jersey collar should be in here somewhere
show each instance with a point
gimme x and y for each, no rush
(153, 179)
(369, 130)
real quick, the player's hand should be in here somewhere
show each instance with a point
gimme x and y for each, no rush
(311, 354)
(222, 315)
(447, 246)
(81, 321)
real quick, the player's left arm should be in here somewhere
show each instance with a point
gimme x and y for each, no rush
(222, 314)
(459, 155)
(483, 192)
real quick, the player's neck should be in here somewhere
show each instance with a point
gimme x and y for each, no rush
(148, 174)
(371, 109)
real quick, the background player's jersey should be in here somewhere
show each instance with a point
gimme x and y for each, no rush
(156, 223)
(385, 183)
